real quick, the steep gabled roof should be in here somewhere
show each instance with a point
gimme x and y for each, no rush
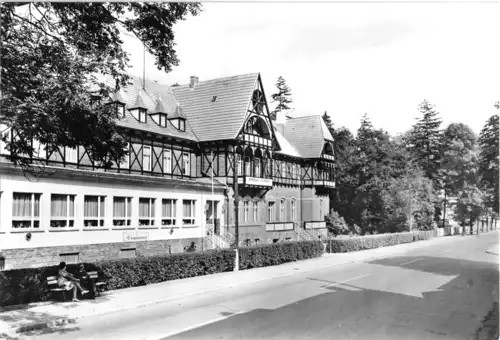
(286, 147)
(216, 109)
(149, 99)
(308, 135)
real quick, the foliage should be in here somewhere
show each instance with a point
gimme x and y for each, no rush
(336, 224)
(51, 56)
(328, 121)
(489, 161)
(345, 245)
(278, 253)
(283, 97)
(425, 140)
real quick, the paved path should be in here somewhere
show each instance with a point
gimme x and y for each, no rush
(441, 289)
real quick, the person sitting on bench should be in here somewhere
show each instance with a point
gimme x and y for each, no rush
(68, 281)
(85, 278)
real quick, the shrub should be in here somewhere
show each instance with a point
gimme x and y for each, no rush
(278, 253)
(142, 271)
(336, 224)
(367, 242)
(425, 234)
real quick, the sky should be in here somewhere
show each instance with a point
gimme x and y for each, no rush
(349, 59)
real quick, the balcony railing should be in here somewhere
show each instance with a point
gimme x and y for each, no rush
(279, 226)
(251, 181)
(315, 225)
(320, 183)
(329, 157)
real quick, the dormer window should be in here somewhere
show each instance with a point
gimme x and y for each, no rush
(182, 125)
(178, 119)
(163, 120)
(119, 109)
(139, 110)
(142, 115)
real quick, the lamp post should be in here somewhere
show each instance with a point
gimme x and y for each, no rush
(236, 217)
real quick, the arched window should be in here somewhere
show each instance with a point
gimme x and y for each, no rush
(257, 163)
(248, 161)
(283, 210)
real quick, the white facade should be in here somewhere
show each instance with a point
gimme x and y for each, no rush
(47, 236)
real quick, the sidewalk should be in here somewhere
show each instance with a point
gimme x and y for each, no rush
(24, 318)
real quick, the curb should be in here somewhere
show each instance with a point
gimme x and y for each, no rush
(69, 320)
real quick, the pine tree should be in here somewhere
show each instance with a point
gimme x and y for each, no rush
(328, 121)
(283, 97)
(489, 162)
(426, 139)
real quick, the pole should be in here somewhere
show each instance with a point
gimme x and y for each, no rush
(444, 210)
(213, 198)
(236, 217)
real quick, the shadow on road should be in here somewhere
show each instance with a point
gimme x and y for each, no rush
(453, 310)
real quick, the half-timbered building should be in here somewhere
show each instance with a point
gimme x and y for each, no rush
(187, 145)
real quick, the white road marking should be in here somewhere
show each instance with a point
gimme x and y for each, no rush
(402, 264)
(186, 329)
(353, 278)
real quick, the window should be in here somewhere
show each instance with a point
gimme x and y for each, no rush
(70, 155)
(125, 163)
(70, 258)
(93, 211)
(62, 211)
(294, 210)
(120, 110)
(321, 217)
(182, 125)
(239, 165)
(269, 167)
(168, 211)
(142, 115)
(246, 206)
(163, 120)
(128, 253)
(188, 211)
(256, 170)
(282, 210)
(255, 210)
(146, 158)
(39, 150)
(146, 211)
(186, 167)
(271, 211)
(26, 210)
(248, 165)
(167, 161)
(122, 211)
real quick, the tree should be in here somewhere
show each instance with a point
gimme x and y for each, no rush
(336, 224)
(283, 97)
(459, 161)
(328, 121)
(51, 56)
(425, 140)
(489, 161)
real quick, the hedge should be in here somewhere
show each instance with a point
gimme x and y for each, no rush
(367, 242)
(278, 253)
(22, 286)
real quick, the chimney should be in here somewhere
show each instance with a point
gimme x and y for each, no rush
(193, 81)
(281, 128)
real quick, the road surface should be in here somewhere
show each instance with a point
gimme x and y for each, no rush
(439, 292)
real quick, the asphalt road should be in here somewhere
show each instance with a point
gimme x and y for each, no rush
(432, 293)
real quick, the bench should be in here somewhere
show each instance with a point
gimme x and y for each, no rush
(98, 284)
(54, 287)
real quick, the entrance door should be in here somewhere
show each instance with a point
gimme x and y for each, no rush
(212, 216)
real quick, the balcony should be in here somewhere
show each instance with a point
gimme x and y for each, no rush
(328, 157)
(315, 225)
(320, 183)
(255, 182)
(279, 226)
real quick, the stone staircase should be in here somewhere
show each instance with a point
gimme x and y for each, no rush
(224, 240)
(304, 234)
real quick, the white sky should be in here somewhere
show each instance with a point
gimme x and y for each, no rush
(350, 59)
